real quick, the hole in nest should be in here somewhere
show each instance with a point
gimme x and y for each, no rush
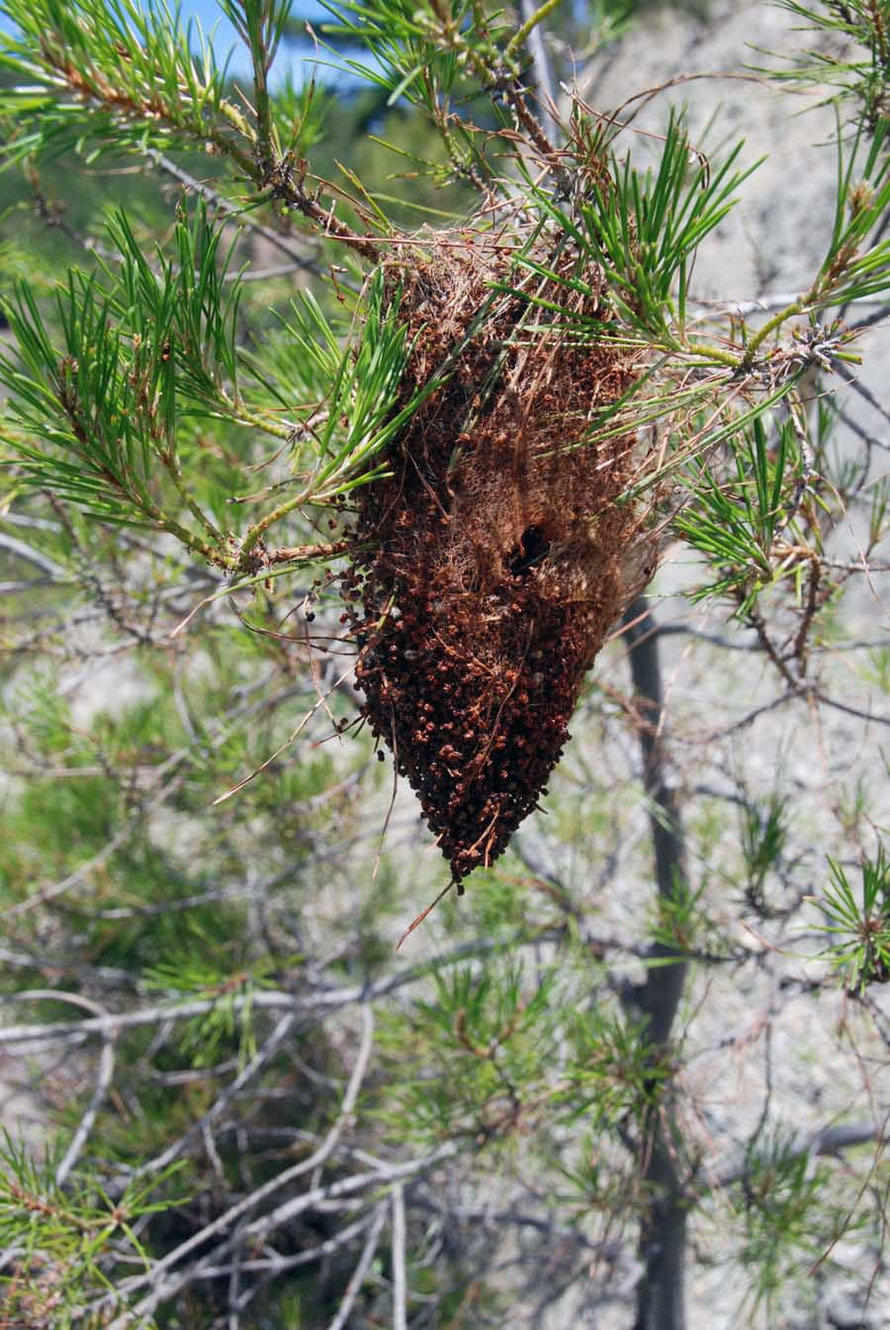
(533, 547)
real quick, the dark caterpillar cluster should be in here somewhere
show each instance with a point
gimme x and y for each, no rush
(492, 561)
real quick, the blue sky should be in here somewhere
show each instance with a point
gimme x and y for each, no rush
(210, 17)
(208, 14)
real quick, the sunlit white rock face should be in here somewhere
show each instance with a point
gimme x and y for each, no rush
(771, 241)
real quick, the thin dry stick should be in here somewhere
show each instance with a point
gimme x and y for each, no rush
(256, 1231)
(277, 1037)
(825, 1141)
(272, 1266)
(228, 209)
(103, 1077)
(88, 1119)
(259, 1228)
(288, 741)
(399, 1279)
(234, 1317)
(358, 1275)
(49, 893)
(289, 1175)
(20, 550)
(423, 914)
(319, 1004)
(392, 804)
(182, 756)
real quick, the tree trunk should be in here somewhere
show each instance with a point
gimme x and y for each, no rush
(662, 1240)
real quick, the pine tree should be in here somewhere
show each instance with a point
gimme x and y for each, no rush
(379, 514)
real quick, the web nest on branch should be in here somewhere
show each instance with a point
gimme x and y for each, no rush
(493, 559)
